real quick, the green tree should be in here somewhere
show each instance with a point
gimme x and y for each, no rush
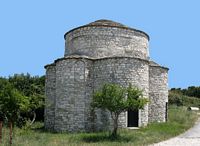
(11, 103)
(191, 91)
(35, 102)
(117, 99)
(33, 88)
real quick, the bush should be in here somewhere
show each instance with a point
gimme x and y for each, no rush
(177, 98)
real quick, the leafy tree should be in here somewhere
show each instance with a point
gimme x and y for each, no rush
(36, 102)
(28, 84)
(33, 88)
(11, 103)
(2, 81)
(179, 99)
(117, 99)
(30, 87)
(191, 91)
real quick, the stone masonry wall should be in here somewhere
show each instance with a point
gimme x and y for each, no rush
(123, 71)
(73, 90)
(70, 83)
(98, 42)
(50, 88)
(158, 93)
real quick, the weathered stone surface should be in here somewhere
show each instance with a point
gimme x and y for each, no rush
(123, 70)
(158, 94)
(101, 41)
(50, 92)
(98, 53)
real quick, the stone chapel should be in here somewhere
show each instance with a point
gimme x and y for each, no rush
(97, 53)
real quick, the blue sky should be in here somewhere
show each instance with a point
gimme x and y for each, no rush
(31, 32)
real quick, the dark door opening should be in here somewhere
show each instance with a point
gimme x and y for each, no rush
(133, 118)
(166, 112)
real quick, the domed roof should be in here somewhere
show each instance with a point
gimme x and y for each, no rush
(104, 22)
(108, 23)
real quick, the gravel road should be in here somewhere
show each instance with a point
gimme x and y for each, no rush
(189, 138)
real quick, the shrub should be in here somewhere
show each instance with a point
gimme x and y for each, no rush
(179, 99)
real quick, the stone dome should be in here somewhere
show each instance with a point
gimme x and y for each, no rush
(106, 38)
(104, 22)
(108, 23)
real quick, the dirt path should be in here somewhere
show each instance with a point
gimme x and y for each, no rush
(189, 138)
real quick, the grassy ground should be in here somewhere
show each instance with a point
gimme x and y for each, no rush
(179, 120)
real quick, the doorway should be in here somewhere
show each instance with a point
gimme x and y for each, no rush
(132, 118)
